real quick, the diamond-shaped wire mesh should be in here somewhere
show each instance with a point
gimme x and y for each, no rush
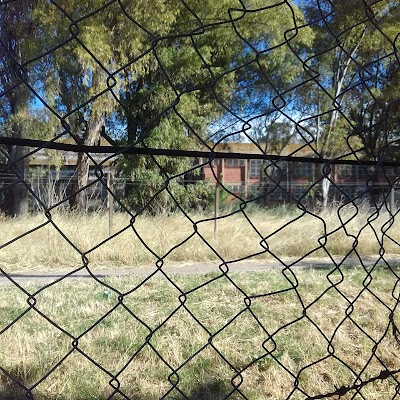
(298, 291)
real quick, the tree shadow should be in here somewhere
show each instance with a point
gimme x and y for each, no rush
(16, 393)
(211, 390)
(10, 390)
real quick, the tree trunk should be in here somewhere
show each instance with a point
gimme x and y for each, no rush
(339, 81)
(15, 26)
(326, 184)
(17, 203)
(132, 125)
(16, 196)
(78, 201)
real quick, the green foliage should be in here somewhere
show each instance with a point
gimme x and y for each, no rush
(173, 77)
(170, 96)
(155, 197)
(358, 75)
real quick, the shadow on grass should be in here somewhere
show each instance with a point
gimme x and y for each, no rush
(211, 390)
(9, 390)
(207, 391)
(214, 390)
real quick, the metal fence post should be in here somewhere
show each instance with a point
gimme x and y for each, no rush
(110, 203)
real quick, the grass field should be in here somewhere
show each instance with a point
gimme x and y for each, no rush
(311, 329)
(283, 232)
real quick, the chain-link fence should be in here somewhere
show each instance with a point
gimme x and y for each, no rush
(247, 153)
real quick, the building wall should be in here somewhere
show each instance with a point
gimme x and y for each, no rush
(289, 181)
(243, 177)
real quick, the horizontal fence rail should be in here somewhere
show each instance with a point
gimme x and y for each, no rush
(199, 200)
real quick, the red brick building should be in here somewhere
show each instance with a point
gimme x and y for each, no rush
(288, 181)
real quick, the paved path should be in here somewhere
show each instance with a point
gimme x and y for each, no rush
(189, 269)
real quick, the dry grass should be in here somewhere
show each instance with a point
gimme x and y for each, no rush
(285, 233)
(269, 353)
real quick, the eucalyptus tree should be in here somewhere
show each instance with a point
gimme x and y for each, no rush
(373, 107)
(344, 60)
(162, 81)
(16, 48)
(210, 61)
(80, 44)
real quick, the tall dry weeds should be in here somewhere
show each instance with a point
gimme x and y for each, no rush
(259, 235)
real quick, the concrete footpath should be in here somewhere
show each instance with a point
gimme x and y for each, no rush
(189, 269)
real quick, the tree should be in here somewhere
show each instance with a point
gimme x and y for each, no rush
(79, 84)
(374, 106)
(171, 76)
(16, 29)
(197, 74)
(345, 33)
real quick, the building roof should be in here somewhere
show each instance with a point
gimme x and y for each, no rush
(251, 148)
(43, 156)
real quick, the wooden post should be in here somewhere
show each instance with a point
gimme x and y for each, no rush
(246, 178)
(216, 208)
(110, 203)
(217, 200)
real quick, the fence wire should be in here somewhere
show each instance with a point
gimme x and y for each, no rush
(318, 78)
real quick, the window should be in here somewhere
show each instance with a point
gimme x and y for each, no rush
(237, 189)
(390, 171)
(234, 162)
(363, 171)
(299, 192)
(348, 171)
(254, 190)
(68, 171)
(273, 171)
(303, 170)
(277, 194)
(255, 167)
